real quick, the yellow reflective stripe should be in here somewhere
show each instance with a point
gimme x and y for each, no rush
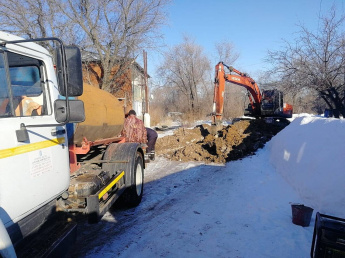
(30, 147)
(105, 190)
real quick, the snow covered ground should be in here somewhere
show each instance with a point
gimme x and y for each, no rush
(241, 209)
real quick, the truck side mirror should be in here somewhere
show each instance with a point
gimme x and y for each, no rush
(72, 70)
(75, 110)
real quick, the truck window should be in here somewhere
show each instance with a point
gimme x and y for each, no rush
(4, 94)
(27, 86)
(26, 90)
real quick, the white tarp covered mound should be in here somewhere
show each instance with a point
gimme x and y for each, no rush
(310, 155)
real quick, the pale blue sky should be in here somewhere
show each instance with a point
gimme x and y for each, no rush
(253, 26)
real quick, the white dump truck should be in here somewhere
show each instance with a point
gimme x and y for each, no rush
(61, 152)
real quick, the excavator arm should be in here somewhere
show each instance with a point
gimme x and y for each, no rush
(238, 78)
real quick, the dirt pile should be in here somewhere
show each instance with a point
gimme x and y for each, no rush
(232, 142)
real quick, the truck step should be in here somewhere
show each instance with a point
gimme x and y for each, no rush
(52, 240)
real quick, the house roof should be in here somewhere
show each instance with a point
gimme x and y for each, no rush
(87, 56)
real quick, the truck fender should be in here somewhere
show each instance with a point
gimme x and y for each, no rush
(6, 246)
(122, 152)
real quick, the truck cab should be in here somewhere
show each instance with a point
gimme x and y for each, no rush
(57, 158)
(34, 111)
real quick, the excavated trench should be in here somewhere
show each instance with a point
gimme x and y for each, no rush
(232, 142)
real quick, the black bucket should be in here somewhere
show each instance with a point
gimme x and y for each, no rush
(301, 215)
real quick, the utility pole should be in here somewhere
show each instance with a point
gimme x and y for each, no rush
(145, 83)
(147, 119)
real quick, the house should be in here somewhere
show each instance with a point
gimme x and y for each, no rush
(129, 88)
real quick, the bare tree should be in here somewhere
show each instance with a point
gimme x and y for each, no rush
(33, 19)
(186, 68)
(226, 52)
(115, 30)
(315, 62)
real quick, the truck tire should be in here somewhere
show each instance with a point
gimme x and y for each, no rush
(133, 168)
(134, 193)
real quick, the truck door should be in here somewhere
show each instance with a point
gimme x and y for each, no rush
(34, 170)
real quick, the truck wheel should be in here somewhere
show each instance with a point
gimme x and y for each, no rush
(134, 194)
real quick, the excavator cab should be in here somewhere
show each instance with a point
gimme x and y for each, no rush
(272, 102)
(272, 105)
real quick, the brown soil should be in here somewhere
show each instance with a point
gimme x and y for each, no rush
(231, 142)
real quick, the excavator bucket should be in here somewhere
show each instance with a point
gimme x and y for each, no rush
(215, 128)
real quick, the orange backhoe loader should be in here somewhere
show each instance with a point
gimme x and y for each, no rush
(268, 103)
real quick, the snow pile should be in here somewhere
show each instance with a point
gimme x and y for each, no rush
(309, 154)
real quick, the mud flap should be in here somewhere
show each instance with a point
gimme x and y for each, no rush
(93, 209)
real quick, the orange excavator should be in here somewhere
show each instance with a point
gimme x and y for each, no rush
(268, 103)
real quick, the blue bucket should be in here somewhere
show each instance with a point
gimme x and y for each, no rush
(328, 113)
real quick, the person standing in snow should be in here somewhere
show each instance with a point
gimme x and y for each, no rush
(151, 141)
